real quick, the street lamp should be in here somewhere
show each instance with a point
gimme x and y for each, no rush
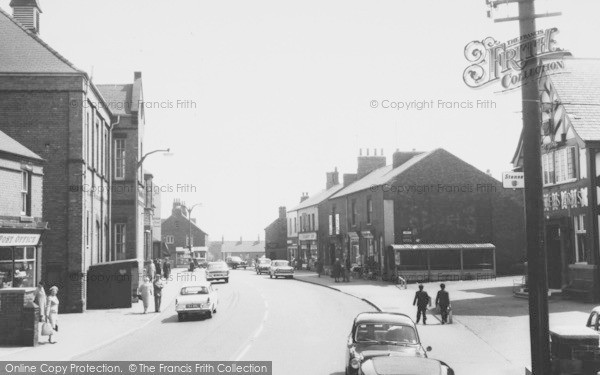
(167, 152)
(189, 211)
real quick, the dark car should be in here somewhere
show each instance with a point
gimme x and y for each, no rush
(380, 334)
(399, 365)
(236, 262)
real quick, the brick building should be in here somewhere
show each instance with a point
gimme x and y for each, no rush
(276, 237)
(421, 198)
(53, 109)
(21, 223)
(176, 234)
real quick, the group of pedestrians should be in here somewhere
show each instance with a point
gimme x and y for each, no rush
(422, 301)
(153, 283)
(341, 270)
(48, 305)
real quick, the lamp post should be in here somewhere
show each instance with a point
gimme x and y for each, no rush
(141, 161)
(189, 211)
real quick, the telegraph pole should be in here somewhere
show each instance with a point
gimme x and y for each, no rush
(534, 209)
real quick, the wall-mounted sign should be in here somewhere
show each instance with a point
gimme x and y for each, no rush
(312, 236)
(353, 236)
(513, 180)
(565, 199)
(19, 239)
(366, 234)
(407, 236)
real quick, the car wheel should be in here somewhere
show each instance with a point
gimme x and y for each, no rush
(227, 280)
(214, 309)
(270, 276)
(209, 315)
(180, 317)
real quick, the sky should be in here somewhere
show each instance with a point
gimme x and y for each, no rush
(257, 100)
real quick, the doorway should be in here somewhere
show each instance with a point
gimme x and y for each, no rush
(554, 255)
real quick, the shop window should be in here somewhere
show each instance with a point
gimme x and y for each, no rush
(120, 241)
(20, 272)
(580, 239)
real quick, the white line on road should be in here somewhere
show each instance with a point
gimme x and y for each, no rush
(256, 333)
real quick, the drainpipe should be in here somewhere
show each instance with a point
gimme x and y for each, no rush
(112, 256)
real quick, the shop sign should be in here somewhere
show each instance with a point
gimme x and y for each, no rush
(407, 236)
(353, 236)
(366, 234)
(19, 239)
(312, 236)
(574, 198)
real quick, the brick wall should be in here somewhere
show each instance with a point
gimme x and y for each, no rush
(178, 226)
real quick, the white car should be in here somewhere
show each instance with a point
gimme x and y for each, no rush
(281, 268)
(197, 299)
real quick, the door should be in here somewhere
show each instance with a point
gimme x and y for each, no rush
(554, 256)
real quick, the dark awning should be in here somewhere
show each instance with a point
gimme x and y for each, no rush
(455, 246)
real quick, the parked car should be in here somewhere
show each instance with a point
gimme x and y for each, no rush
(281, 268)
(236, 262)
(593, 321)
(217, 271)
(263, 266)
(379, 333)
(402, 365)
(197, 299)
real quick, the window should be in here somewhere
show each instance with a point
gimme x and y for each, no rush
(354, 212)
(18, 267)
(119, 159)
(26, 193)
(548, 168)
(314, 226)
(120, 241)
(560, 166)
(582, 163)
(97, 145)
(187, 240)
(88, 138)
(369, 210)
(289, 226)
(580, 239)
(295, 226)
(169, 239)
(87, 230)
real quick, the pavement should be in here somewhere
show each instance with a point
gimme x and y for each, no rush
(490, 326)
(81, 333)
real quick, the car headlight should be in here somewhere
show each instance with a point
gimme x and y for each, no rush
(355, 363)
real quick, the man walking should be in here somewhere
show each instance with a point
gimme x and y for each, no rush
(442, 300)
(167, 270)
(158, 287)
(422, 300)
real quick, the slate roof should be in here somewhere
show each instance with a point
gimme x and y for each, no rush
(243, 247)
(318, 198)
(24, 52)
(578, 88)
(10, 146)
(381, 176)
(118, 98)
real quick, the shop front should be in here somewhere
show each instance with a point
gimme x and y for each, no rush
(308, 249)
(20, 257)
(292, 249)
(356, 256)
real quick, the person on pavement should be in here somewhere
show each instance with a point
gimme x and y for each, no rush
(167, 270)
(347, 269)
(40, 300)
(158, 267)
(52, 303)
(442, 300)
(319, 266)
(422, 300)
(145, 291)
(151, 270)
(158, 287)
(192, 266)
(337, 269)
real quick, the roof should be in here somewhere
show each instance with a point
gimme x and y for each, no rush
(25, 3)
(578, 88)
(118, 98)
(383, 317)
(10, 146)
(21, 51)
(382, 175)
(243, 247)
(318, 198)
(448, 246)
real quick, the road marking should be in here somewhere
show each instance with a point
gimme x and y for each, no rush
(256, 333)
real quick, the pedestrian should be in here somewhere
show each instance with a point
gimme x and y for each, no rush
(167, 269)
(158, 287)
(52, 303)
(40, 300)
(347, 268)
(442, 300)
(192, 266)
(319, 266)
(144, 292)
(422, 300)
(151, 270)
(158, 267)
(337, 269)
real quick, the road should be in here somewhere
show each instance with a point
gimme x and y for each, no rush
(301, 327)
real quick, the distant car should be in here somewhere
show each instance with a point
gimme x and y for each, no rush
(401, 365)
(196, 299)
(381, 334)
(593, 321)
(202, 264)
(217, 271)
(263, 266)
(236, 262)
(281, 268)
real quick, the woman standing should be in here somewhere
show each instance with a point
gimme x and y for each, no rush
(145, 291)
(40, 299)
(52, 311)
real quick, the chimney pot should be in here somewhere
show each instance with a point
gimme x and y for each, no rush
(137, 75)
(367, 152)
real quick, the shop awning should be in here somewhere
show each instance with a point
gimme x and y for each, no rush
(353, 235)
(443, 246)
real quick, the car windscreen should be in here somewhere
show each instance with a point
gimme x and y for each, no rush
(217, 266)
(189, 290)
(264, 261)
(385, 332)
(280, 263)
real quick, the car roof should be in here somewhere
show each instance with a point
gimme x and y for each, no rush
(596, 309)
(383, 317)
(196, 284)
(404, 365)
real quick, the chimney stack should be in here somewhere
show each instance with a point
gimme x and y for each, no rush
(303, 197)
(401, 157)
(349, 178)
(27, 13)
(282, 212)
(367, 164)
(333, 178)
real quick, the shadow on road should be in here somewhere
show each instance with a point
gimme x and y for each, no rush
(337, 373)
(191, 318)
